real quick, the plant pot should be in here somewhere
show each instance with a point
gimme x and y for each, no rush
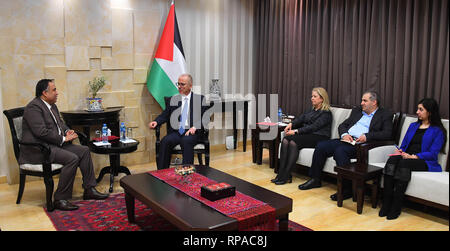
(94, 104)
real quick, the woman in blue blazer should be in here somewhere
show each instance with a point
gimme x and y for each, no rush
(418, 153)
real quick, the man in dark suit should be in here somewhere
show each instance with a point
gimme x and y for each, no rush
(43, 124)
(366, 123)
(184, 114)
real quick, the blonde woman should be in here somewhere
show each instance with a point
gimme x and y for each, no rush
(305, 131)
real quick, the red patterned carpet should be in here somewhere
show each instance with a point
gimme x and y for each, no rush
(111, 215)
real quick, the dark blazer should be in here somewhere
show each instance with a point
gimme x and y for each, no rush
(432, 143)
(314, 122)
(38, 126)
(380, 127)
(197, 108)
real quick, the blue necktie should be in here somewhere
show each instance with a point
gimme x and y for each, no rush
(184, 114)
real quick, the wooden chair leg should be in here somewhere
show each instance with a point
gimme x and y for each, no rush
(49, 185)
(200, 160)
(207, 159)
(21, 187)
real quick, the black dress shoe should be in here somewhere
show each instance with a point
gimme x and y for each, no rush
(282, 182)
(64, 205)
(345, 195)
(274, 180)
(93, 194)
(312, 183)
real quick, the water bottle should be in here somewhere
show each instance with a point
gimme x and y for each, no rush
(104, 134)
(123, 131)
(280, 113)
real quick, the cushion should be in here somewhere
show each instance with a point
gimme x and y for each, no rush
(196, 147)
(339, 115)
(431, 186)
(18, 127)
(38, 167)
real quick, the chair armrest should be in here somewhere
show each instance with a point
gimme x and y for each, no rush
(158, 133)
(362, 150)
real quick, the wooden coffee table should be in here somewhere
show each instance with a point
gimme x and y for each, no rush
(188, 214)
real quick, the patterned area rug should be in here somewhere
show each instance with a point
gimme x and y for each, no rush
(111, 215)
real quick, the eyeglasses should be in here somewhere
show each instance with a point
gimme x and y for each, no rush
(180, 84)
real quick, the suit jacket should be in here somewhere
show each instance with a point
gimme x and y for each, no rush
(432, 143)
(380, 127)
(314, 122)
(172, 113)
(38, 126)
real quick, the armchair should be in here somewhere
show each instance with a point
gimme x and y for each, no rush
(203, 146)
(46, 169)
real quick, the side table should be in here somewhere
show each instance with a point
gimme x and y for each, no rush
(359, 174)
(114, 150)
(257, 145)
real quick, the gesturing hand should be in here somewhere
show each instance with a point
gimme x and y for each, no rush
(153, 124)
(191, 131)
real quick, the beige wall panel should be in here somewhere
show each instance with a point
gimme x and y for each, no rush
(119, 80)
(142, 60)
(32, 19)
(140, 75)
(54, 60)
(29, 69)
(95, 64)
(88, 23)
(39, 46)
(95, 52)
(146, 30)
(77, 58)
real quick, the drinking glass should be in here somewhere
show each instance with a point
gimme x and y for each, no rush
(98, 136)
(129, 133)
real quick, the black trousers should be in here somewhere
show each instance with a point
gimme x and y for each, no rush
(302, 141)
(401, 168)
(187, 144)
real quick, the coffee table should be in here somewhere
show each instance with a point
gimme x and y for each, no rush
(188, 214)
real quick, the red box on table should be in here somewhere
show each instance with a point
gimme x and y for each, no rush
(217, 191)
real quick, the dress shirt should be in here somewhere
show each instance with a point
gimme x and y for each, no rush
(54, 118)
(362, 126)
(186, 100)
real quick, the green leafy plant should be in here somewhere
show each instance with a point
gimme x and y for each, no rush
(96, 84)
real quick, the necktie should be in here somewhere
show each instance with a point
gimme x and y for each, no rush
(56, 121)
(184, 115)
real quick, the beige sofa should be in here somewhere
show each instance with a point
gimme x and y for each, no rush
(306, 154)
(428, 188)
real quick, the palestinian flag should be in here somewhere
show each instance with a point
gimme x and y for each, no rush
(169, 62)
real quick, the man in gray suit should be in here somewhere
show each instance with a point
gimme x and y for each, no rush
(43, 124)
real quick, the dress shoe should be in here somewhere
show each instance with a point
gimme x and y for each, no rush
(312, 183)
(274, 180)
(282, 182)
(64, 205)
(93, 194)
(345, 195)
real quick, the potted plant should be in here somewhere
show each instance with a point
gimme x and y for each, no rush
(95, 104)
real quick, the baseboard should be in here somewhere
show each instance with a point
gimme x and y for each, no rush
(222, 147)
